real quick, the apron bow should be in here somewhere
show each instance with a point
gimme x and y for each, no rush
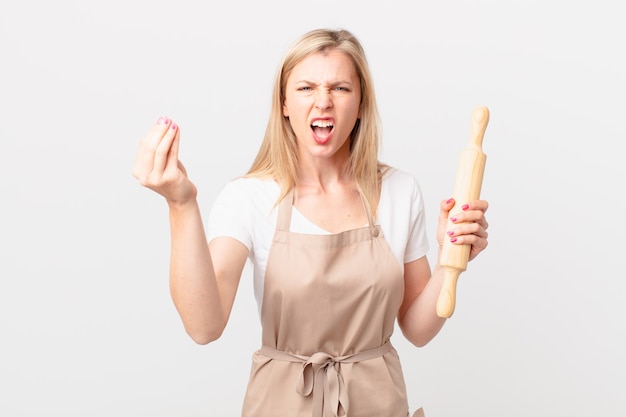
(320, 377)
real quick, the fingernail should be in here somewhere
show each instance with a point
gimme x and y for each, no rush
(453, 240)
(465, 206)
(173, 126)
(450, 233)
(448, 201)
(162, 120)
(453, 219)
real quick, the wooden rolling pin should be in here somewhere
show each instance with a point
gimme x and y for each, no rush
(469, 179)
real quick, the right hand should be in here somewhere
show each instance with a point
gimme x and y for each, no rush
(157, 166)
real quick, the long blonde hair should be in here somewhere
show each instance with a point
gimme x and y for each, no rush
(277, 157)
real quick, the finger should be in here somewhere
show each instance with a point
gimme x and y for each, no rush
(145, 154)
(471, 212)
(482, 205)
(467, 229)
(448, 204)
(172, 156)
(474, 216)
(444, 209)
(161, 154)
(477, 240)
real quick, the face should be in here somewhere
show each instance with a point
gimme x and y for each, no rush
(322, 102)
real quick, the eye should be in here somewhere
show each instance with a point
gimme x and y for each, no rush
(341, 88)
(304, 88)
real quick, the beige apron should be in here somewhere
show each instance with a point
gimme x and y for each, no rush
(329, 308)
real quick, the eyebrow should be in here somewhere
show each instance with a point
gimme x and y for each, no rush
(332, 84)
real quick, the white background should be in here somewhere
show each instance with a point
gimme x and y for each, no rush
(87, 326)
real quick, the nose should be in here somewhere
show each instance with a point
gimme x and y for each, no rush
(323, 100)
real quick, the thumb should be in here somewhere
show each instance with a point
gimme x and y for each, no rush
(182, 168)
(444, 211)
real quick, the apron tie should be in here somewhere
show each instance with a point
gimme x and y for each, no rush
(320, 377)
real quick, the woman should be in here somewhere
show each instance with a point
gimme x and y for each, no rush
(337, 240)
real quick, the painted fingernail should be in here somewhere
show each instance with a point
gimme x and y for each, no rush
(453, 240)
(453, 219)
(173, 126)
(162, 120)
(450, 200)
(465, 206)
(450, 233)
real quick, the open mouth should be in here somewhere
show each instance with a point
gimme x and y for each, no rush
(322, 128)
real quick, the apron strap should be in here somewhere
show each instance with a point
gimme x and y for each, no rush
(419, 413)
(320, 377)
(283, 222)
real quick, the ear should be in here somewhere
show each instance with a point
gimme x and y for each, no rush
(285, 111)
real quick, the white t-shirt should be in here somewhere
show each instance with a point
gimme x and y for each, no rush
(246, 210)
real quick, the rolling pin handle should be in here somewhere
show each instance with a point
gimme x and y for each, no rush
(447, 296)
(480, 119)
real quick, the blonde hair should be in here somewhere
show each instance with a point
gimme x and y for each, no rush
(277, 157)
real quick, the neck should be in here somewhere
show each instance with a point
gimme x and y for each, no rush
(324, 172)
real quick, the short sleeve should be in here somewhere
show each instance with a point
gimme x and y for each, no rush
(417, 242)
(401, 215)
(230, 215)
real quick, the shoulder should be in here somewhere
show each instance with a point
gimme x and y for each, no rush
(251, 185)
(397, 183)
(245, 190)
(400, 195)
(246, 198)
(401, 215)
(242, 208)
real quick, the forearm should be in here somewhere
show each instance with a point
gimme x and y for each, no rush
(418, 320)
(422, 315)
(193, 283)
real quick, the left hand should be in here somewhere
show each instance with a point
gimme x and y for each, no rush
(469, 225)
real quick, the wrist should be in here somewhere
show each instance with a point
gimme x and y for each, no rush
(183, 206)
